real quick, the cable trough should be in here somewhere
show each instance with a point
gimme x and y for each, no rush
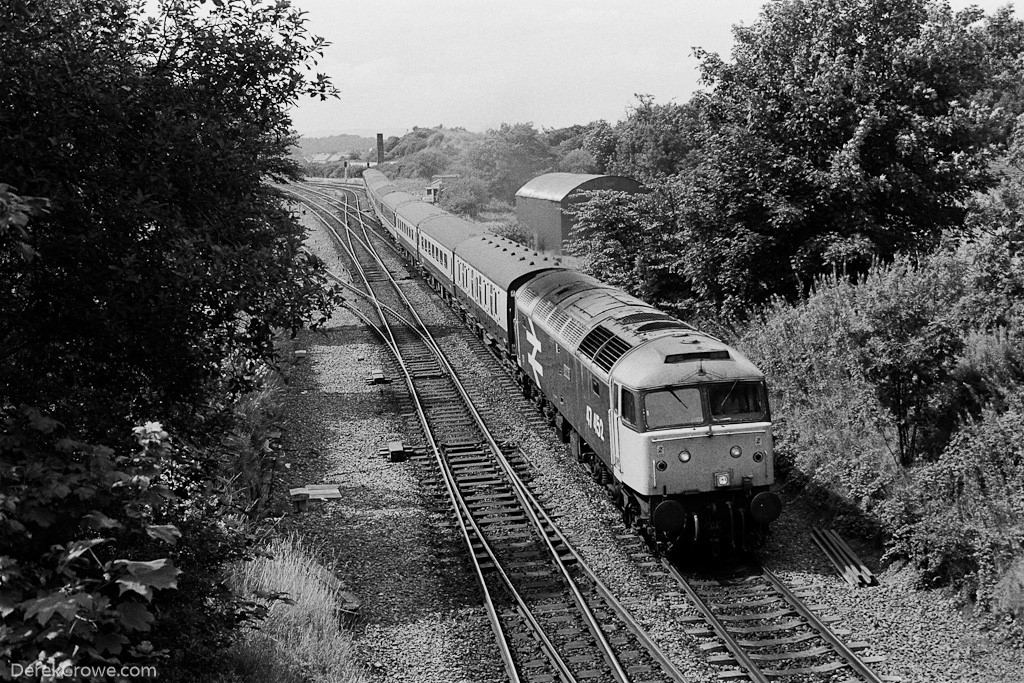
(552, 617)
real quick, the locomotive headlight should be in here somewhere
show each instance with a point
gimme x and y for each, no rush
(661, 465)
(758, 456)
(735, 451)
(684, 456)
(723, 479)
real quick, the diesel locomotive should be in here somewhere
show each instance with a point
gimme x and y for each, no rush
(672, 420)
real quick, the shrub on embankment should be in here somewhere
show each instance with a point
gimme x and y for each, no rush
(897, 397)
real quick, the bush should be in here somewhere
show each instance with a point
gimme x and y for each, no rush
(85, 549)
(830, 425)
(889, 396)
(961, 518)
(465, 196)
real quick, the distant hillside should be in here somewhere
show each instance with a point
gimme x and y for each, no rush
(335, 144)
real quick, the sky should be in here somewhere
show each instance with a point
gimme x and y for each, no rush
(479, 63)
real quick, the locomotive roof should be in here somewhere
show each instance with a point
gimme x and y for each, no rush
(605, 324)
(570, 305)
(503, 261)
(683, 358)
(449, 230)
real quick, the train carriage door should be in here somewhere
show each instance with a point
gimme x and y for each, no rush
(614, 425)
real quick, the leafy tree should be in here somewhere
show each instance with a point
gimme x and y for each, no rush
(426, 163)
(839, 126)
(578, 161)
(628, 240)
(151, 286)
(601, 141)
(508, 156)
(464, 196)
(655, 140)
(163, 254)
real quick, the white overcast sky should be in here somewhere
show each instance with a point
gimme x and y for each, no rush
(479, 63)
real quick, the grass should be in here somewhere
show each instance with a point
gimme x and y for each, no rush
(302, 640)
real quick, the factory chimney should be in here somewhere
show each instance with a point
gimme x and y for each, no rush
(380, 148)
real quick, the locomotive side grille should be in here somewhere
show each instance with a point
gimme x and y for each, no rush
(611, 352)
(557, 318)
(526, 296)
(543, 309)
(593, 341)
(573, 333)
(603, 347)
(565, 328)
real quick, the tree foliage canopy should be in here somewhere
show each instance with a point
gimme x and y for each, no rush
(849, 121)
(145, 267)
(837, 133)
(163, 255)
(509, 156)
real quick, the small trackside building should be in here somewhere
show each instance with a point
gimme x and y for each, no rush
(542, 205)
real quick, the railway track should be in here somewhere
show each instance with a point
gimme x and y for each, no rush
(552, 617)
(754, 627)
(758, 629)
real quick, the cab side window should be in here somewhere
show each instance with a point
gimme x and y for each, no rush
(628, 407)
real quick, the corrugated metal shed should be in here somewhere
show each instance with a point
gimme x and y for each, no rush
(543, 204)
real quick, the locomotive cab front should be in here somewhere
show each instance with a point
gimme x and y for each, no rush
(692, 444)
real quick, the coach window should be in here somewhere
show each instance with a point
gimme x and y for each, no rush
(595, 386)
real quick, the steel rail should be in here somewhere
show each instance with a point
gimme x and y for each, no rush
(749, 667)
(521, 492)
(460, 504)
(536, 510)
(465, 517)
(849, 656)
(388, 336)
(443, 465)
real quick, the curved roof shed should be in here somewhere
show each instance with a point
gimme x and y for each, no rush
(542, 204)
